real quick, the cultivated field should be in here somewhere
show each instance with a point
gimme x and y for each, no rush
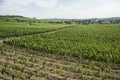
(94, 42)
(10, 29)
(46, 51)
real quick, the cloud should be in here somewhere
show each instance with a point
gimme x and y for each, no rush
(90, 9)
(87, 9)
(45, 3)
(40, 3)
(22, 7)
(61, 8)
(1, 1)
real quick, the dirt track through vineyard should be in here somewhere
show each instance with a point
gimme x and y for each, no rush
(39, 32)
(30, 34)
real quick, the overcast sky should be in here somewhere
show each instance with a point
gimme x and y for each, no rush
(61, 8)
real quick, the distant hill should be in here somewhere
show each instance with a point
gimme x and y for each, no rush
(12, 16)
(111, 20)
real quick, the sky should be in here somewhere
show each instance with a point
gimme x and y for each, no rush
(70, 9)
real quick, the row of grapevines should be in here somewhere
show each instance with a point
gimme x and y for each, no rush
(94, 42)
(9, 29)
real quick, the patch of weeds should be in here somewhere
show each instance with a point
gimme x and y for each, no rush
(69, 68)
(108, 69)
(30, 74)
(2, 53)
(45, 75)
(15, 60)
(97, 74)
(79, 71)
(43, 64)
(59, 72)
(18, 68)
(33, 59)
(57, 66)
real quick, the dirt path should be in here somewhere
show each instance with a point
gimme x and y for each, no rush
(33, 33)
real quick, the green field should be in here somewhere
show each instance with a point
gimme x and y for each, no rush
(9, 29)
(46, 51)
(94, 42)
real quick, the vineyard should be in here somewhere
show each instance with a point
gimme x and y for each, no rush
(49, 51)
(101, 43)
(22, 64)
(10, 29)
